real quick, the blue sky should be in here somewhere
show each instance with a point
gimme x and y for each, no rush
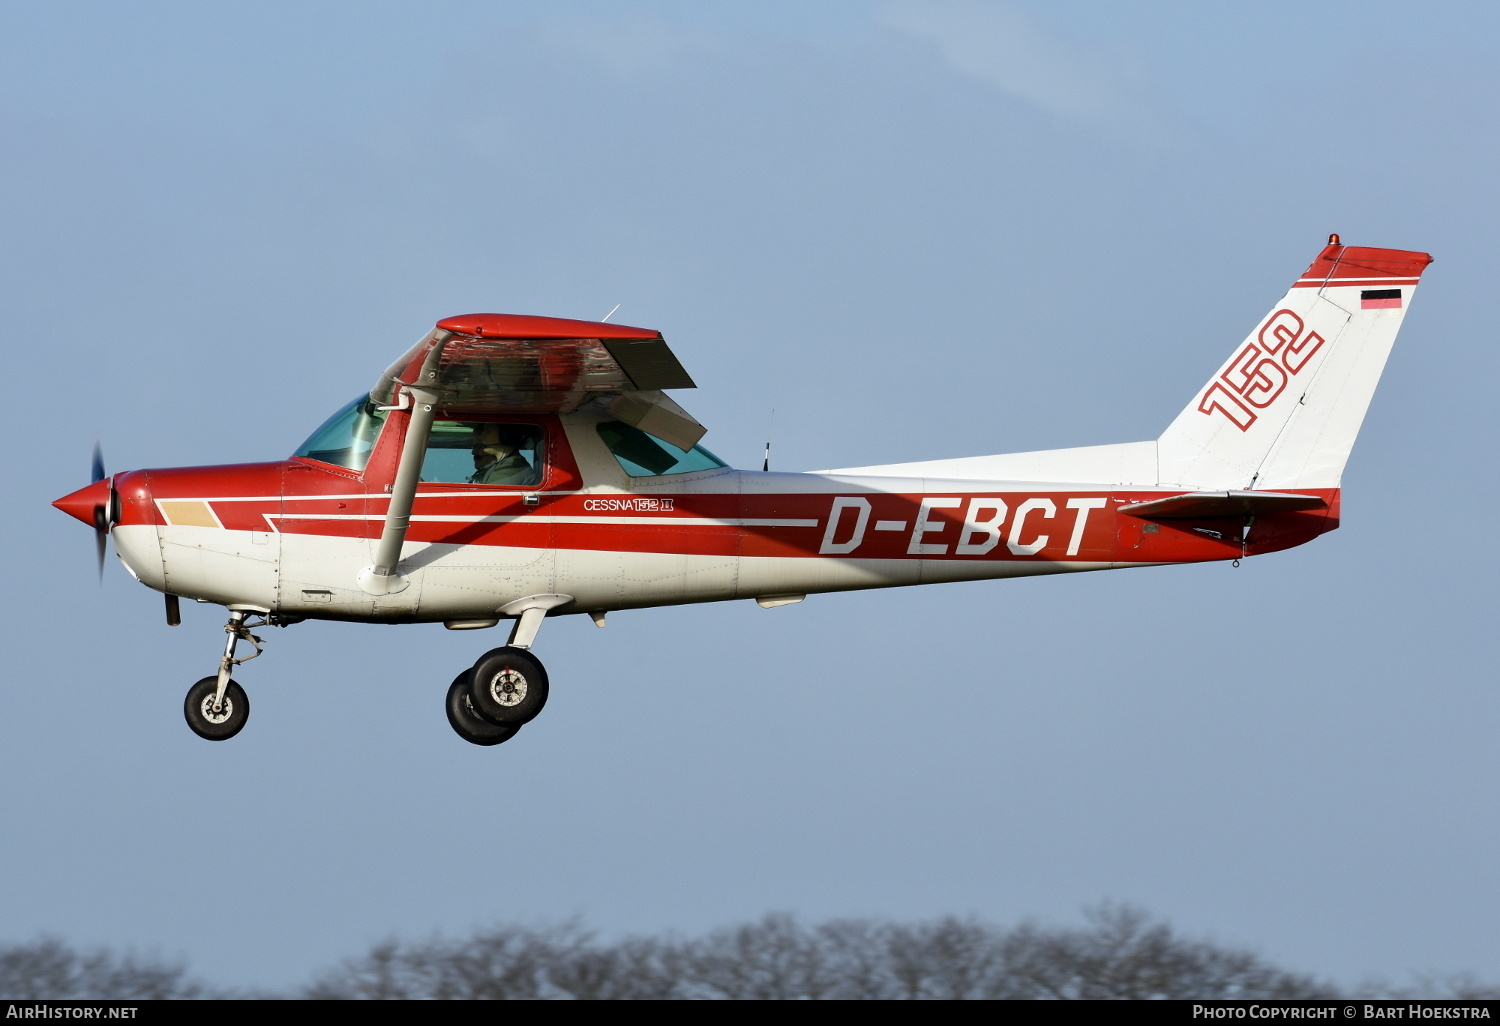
(914, 231)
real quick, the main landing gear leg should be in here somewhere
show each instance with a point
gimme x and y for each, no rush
(217, 707)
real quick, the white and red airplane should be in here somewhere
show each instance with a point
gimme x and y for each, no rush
(511, 467)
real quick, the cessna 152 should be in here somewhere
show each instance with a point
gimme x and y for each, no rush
(511, 467)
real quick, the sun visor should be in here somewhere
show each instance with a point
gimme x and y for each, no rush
(656, 414)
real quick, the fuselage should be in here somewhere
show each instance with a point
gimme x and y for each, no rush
(290, 537)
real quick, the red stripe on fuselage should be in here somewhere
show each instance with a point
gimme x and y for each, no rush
(952, 525)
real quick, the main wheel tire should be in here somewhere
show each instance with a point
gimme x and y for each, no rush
(221, 725)
(468, 724)
(508, 686)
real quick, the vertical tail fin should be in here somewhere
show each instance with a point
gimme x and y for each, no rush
(1284, 410)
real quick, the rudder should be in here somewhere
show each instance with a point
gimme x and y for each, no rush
(1284, 410)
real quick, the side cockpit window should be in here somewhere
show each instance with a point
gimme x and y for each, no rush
(465, 452)
(644, 455)
(346, 438)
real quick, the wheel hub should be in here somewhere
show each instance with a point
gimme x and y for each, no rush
(508, 687)
(225, 710)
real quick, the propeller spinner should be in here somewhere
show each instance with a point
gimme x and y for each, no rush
(97, 505)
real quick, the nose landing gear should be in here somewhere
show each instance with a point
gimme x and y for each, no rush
(217, 707)
(216, 717)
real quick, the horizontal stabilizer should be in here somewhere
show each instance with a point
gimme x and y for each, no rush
(1204, 505)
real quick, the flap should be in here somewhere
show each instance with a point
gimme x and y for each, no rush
(1205, 505)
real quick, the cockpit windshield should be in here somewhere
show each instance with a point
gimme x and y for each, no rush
(346, 438)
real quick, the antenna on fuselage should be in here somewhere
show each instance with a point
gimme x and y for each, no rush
(766, 463)
(612, 312)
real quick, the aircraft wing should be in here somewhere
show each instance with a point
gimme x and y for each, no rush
(510, 363)
(1203, 505)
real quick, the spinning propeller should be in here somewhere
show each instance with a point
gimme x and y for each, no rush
(106, 508)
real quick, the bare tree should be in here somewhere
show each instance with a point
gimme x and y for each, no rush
(503, 963)
(948, 959)
(48, 969)
(1124, 955)
(1119, 953)
(774, 959)
(1462, 987)
(636, 968)
(859, 959)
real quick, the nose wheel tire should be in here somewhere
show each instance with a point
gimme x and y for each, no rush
(468, 724)
(216, 724)
(508, 686)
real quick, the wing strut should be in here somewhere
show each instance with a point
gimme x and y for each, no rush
(381, 578)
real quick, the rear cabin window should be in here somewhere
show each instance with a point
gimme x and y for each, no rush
(465, 452)
(346, 438)
(644, 455)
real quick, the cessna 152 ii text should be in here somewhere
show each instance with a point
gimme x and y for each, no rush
(517, 468)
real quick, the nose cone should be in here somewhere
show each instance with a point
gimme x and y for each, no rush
(81, 504)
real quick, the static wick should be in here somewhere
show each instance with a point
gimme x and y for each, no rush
(612, 312)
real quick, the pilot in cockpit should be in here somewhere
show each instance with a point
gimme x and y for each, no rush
(496, 459)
